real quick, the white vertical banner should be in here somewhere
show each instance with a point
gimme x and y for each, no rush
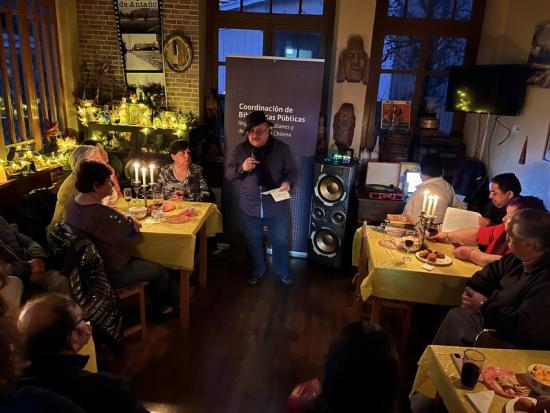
(289, 92)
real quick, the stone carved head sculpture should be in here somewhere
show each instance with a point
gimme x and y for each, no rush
(353, 63)
(344, 125)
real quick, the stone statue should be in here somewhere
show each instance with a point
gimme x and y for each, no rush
(353, 64)
(344, 125)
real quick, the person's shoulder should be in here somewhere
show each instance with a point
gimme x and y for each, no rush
(104, 382)
(36, 399)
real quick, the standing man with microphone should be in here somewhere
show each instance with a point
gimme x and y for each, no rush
(263, 163)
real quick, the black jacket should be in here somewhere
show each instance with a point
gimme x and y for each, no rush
(31, 399)
(518, 301)
(94, 392)
(16, 249)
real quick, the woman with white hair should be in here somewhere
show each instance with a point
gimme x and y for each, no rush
(67, 190)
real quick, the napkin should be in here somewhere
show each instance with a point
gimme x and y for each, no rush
(481, 400)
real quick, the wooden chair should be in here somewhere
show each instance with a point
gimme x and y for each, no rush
(127, 292)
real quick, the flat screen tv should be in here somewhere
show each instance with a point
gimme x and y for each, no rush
(493, 89)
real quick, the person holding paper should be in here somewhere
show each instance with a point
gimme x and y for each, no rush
(491, 239)
(263, 163)
(434, 195)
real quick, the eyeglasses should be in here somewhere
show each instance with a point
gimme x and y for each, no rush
(259, 131)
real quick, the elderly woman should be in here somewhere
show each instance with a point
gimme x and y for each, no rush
(68, 189)
(113, 235)
(492, 239)
(182, 178)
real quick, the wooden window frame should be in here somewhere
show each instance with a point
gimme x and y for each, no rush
(269, 23)
(48, 63)
(425, 28)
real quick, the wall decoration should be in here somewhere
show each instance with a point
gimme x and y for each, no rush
(139, 16)
(344, 126)
(523, 154)
(178, 53)
(539, 57)
(546, 156)
(395, 114)
(141, 52)
(353, 63)
(152, 85)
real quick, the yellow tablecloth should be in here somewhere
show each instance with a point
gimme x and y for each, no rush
(436, 371)
(392, 278)
(173, 245)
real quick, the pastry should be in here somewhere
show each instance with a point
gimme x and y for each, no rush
(524, 405)
(440, 254)
(432, 257)
(423, 254)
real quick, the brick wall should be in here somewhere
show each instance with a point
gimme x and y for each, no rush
(99, 42)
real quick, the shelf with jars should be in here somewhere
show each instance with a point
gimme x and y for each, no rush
(132, 133)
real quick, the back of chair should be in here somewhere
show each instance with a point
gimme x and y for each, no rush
(89, 283)
(35, 213)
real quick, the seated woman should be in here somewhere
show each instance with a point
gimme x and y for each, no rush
(113, 234)
(67, 190)
(492, 239)
(105, 158)
(182, 179)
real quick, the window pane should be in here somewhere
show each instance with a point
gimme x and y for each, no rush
(285, 6)
(417, 8)
(396, 8)
(24, 98)
(400, 52)
(442, 9)
(240, 42)
(463, 9)
(435, 89)
(396, 86)
(38, 74)
(11, 80)
(256, 6)
(297, 44)
(447, 52)
(56, 75)
(47, 72)
(3, 115)
(312, 7)
(28, 6)
(229, 5)
(221, 80)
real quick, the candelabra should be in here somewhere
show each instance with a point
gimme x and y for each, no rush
(140, 189)
(423, 225)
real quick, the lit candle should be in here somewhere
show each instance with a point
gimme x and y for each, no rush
(136, 167)
(430, 203)
(151, 167)
(426, 194)
(434, 207)
(143, 174)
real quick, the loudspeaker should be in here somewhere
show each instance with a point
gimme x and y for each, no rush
(332, 206)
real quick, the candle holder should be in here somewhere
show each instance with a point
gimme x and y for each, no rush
(423, 224)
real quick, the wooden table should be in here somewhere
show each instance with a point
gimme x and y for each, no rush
(173, 245)
(388, 277)
(437, 374)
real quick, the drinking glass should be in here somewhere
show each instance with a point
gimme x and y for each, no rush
(472, 363)
(408, 242)
(158, 199)
(192, 183)
(433, 229)
(127, 193)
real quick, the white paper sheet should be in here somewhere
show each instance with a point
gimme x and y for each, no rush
(278, 194)
(481, 400)
(456, 219)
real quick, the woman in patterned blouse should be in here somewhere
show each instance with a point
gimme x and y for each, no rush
(182, 179)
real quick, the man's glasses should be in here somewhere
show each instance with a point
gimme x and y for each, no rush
(259, 131)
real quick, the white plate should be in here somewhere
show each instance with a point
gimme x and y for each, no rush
(441, 262)
(510, 405)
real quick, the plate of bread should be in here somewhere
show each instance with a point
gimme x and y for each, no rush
(433, 257)
(521, 405)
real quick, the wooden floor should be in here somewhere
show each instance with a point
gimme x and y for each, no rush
(247, 347)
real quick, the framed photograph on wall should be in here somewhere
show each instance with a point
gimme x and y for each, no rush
(547, 147)
(142, 52)
(139, 16)
(395, 114)
(152, 84)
